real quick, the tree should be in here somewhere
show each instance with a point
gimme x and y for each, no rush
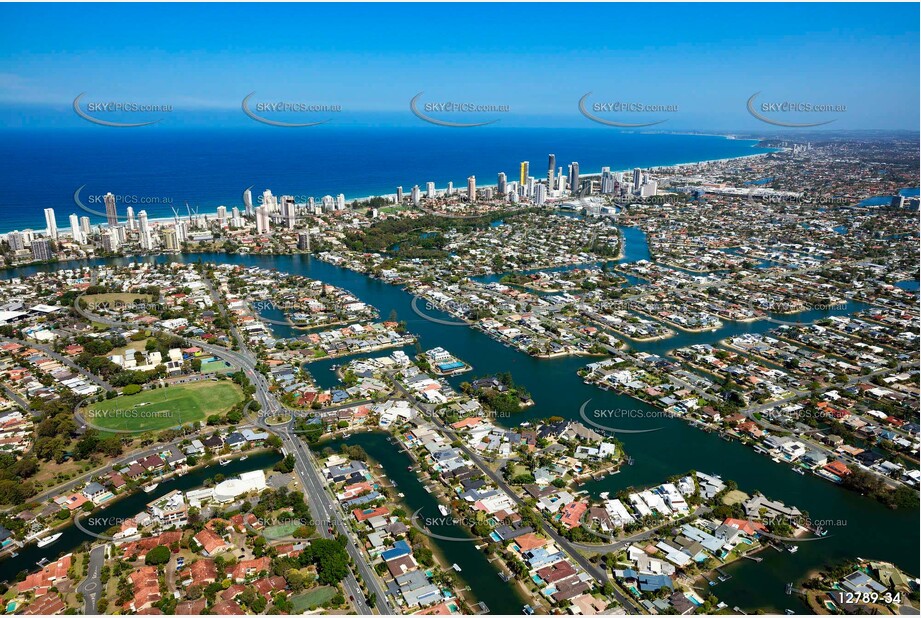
(157, 556)
(330, 559)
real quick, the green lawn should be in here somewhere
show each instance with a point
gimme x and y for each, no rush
(114, 300)
(312, 599)
(280, 531)
(163, 408)
(216, 366)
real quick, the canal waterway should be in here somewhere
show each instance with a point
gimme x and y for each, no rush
(865, 528)
(124, 508)
(476, 571)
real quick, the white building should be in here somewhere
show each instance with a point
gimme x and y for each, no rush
(229, 490)
(75, 231)
(51, 225)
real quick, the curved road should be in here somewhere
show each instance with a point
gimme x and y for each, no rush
(305, 469)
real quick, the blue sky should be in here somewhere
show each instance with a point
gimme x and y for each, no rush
(539, 59)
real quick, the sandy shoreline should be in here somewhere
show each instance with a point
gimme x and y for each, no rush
(213, 214)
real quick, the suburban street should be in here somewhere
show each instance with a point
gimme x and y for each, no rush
(92, 585)
(597, 574)
(305, 469)
(63, 360)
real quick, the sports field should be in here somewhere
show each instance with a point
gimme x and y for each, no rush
(280, 531)
(114, 300)
(216, 366)
(313, 599)
(163, 408)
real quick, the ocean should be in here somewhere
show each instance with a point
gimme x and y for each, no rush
(156, 169)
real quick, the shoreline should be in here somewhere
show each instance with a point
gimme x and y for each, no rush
(40, 228)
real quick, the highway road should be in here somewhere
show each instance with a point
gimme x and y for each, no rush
(305, 468)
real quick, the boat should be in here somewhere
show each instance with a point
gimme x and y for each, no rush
(799, 470)
(42, 562)
(14, 554)
(409, 467)
(455, 567)
(792, 549)
(244, 458)
(528, 610)
(151, 487)
(443, 510)
(48, 540)
(224, 463)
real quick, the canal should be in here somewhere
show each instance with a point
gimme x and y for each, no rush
(125, 508)
(476, 571)
(866, 528)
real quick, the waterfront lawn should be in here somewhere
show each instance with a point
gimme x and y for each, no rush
(162, 408)
(313, 599)
(735, 496)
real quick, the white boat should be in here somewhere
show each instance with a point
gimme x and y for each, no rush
(455, 567)
(48, 540)
(151, 487)
(793, 549)
(443, 510)
(244, 458)
(224, 463)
